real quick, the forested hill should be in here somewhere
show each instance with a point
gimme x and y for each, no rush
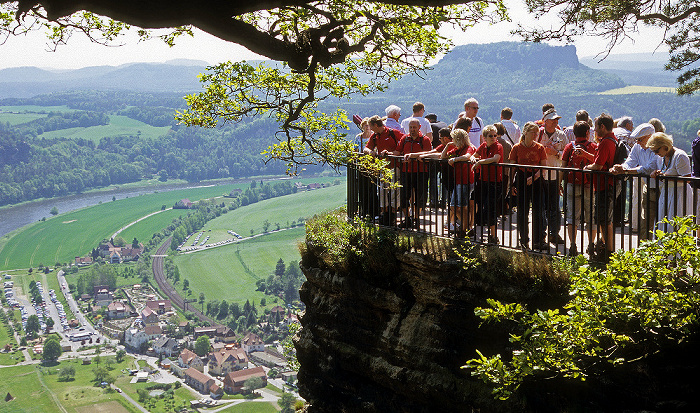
(524, 76)
(177, 76)
(513, 72)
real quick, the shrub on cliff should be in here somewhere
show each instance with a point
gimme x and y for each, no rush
(645, 301)
(340, 244)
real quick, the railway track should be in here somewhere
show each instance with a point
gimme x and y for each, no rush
(167, 289)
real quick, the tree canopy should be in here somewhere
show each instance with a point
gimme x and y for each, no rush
(328, 48)
(334, 49)
(616, 20)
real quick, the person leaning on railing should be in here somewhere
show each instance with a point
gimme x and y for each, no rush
(488, 186)
(527, 187)
(642, 161)
(675, 196)
(381, 144)
(445, 172)
(459, 154)
(577, 155)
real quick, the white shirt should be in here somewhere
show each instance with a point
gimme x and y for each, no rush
(393, 124)
(556, 141)
(475, 131)
(425, 128)
(513, 130)
(643, 161)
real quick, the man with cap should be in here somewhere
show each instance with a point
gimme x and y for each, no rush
(554, 142)
(643, 161)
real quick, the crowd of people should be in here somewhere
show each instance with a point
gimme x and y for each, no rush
(493, 170)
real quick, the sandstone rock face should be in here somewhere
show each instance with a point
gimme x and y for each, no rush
(395, 343)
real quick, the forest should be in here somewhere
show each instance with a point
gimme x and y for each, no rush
(32, 166)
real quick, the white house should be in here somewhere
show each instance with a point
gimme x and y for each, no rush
(134, 338)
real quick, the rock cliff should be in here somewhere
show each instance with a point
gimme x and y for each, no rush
(393, 340)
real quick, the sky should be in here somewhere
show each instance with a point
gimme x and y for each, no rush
(32, 49)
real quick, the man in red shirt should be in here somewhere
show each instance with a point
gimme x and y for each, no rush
(578, 187)
(382, 143)
(604, 186)
(414, 173)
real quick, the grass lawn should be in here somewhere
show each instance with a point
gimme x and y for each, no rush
(22, 382)
(10, 359)
(118, 126)
(253, 407)
(628, 90)
(242, 263)
(182, 396)
(81, 391)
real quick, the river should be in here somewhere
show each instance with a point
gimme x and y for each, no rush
(15, 217)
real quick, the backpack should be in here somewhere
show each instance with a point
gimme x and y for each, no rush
(391, 133)
(621, 151)
(420, 142)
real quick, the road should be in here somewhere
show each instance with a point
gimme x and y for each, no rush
(167, 289)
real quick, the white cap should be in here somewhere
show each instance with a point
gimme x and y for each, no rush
(551, 115)
(642, 130)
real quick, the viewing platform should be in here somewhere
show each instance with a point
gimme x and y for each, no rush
(423, 202)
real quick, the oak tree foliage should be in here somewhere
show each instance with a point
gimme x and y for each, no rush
(616, 20)
(326, 48)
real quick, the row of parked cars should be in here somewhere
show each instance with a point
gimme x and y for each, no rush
(10, 293)
(61, 311)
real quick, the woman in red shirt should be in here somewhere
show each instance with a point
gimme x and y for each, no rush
(528, 188)
(459, 154)
(488, 187)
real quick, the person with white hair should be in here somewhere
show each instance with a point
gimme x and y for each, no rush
(393, 114)
(675, 196)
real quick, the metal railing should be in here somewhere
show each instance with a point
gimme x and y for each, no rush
(519, 212)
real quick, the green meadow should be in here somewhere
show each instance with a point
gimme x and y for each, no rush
(230, 271)
(66, 236)
(23, 383)
(19, 118)
(628, 90)
(118, 126)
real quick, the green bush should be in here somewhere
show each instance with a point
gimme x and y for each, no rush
(644, 302)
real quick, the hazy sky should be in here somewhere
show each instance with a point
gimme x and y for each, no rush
(32, 50)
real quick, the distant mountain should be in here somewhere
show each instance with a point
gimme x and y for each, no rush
(178, 76)
(520, 75)
(643, 69)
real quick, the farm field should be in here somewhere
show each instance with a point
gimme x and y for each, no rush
(19, 118)
(242, 263)
(66, 236)
(118, 126)
(628, 90)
